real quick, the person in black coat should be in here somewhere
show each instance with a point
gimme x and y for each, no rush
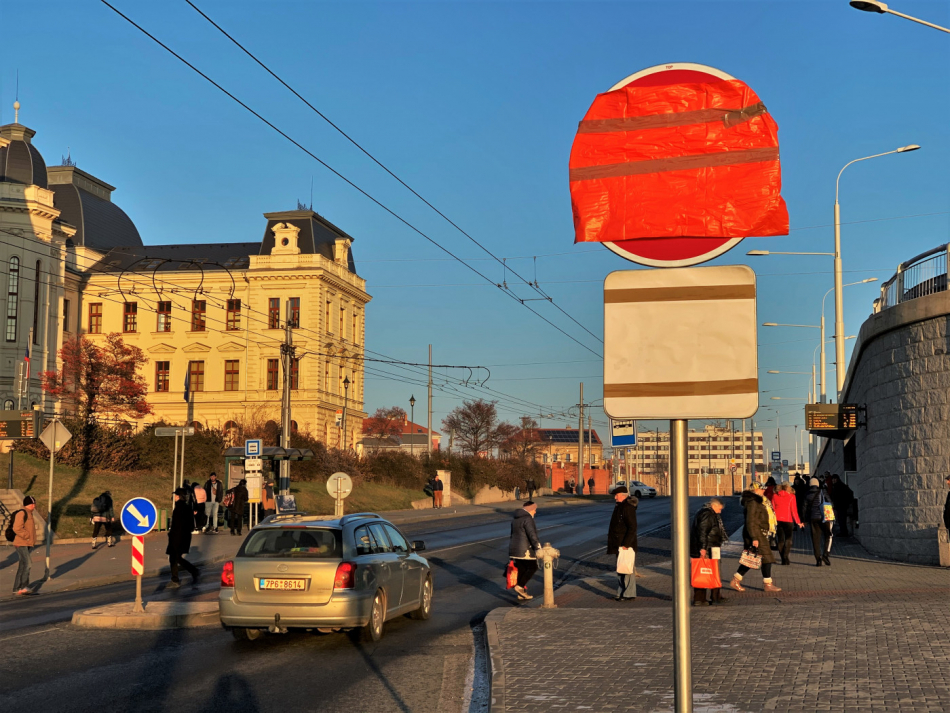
(801, 490)
(236, 519)
(820, 530)
(523, 547)
(706, 533)
(179, 537)
(946, 508)
(842, 496)
(622, 534)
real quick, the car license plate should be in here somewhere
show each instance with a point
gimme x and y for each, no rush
(282, 584)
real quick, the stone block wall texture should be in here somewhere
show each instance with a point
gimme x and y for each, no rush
(901, 371)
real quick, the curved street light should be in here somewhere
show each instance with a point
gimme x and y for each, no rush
(882, 8)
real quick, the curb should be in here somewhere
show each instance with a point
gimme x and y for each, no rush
(163, 615)
(496, 667)
(102, 581)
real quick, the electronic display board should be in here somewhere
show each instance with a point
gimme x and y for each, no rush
(831, 417)
(20, 424)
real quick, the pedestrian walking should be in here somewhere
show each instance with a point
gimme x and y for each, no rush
(103, 516)
(236, 510)
(842, 497)
(801, 489)
(523, 546)
(214, 494)
(530, 486)
(24, 541)
(572, 484)
(268, 504)
(705, 540)
(590, 485)
(437, 488)
(179, 538)
(821, 536)
(200, 499)
(770, 486)
(786, 512)
(622, 541)
(760, 524)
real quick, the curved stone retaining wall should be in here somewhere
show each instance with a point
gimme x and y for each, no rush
(901, 370)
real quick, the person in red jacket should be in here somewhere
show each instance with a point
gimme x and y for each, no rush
(786, 512)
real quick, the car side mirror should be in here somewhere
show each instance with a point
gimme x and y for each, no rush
(418, 545)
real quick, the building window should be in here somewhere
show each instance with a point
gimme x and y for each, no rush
(273, 374)
(130, 316)
(354, 337)
(13, 289)
(327, 319)
(234, 315)
(65, 316)
(162, 370)
(232, 374)
(196, 376)
(273, 313)
(326, 378)
(295, 374)
(164, 310)
(342, 333)
(95, 318)
(295, 312)
(198, 309)
(36, 303)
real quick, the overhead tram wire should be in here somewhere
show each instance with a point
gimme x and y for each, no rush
(504, 290)
(379, 163)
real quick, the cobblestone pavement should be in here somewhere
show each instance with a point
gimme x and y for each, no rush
(861, 635)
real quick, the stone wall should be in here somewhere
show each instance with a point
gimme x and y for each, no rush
(900, 370)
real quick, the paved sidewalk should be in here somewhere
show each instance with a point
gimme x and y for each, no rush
(861, 635)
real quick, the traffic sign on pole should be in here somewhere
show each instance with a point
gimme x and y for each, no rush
(623, 433)
(138, 516)
(253, 448)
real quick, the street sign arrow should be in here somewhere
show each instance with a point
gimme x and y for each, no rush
(139, 516)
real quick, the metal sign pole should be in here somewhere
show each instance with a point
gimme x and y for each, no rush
(49, 511)
(181, 478)
(679, 505)
(174, 474)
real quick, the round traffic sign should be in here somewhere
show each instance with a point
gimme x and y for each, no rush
(672, 252)
(138, 516)
(339, 485)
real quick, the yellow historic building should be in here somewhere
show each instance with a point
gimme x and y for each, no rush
(210, 317)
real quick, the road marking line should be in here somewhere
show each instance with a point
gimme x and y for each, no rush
(32, 633)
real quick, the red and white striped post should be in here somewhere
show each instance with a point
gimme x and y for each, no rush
(138, 568)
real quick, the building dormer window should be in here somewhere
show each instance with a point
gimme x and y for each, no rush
(13, 291)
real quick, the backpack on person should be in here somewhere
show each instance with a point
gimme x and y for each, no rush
(99, 505)
(228, 498)
(9, 532)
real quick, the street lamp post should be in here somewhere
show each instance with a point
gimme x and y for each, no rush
(881, 8)
(346, 392)
(412, 420)
(840, 363)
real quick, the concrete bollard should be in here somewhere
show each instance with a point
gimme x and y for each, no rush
(943, 546)
(548, 554)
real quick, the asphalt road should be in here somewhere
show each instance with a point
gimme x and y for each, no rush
(418, 666)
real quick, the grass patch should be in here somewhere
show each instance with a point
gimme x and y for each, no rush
(73, 493)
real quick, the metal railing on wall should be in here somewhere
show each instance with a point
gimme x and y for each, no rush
(925, 274)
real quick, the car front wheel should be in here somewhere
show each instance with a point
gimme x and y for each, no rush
(425, 602)
(637, 495)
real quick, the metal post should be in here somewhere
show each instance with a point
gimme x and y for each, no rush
(429, 441)
(412, 424)
(11, 468)
(840, 365)
(174, 474)
(580, 444)
(181, 477)
(824, 369)
(49, 507)
(138, 608)
(287, 355)
(679, 515)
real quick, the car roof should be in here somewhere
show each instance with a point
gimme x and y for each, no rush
(306, 519)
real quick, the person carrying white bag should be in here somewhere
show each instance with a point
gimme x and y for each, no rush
(622, 541)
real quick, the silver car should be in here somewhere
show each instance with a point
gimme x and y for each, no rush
(302, 571)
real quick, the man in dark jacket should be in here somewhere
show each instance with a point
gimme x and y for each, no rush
(622, 534)
(841, 498)
(820, 530)
(801, 489)
(523, 547)
(438, 487)
(214, 491)
(103, 515)
(237, 507)
(707, 533)
(946, 508)
(179, 538)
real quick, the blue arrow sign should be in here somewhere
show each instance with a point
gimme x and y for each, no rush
(138, 516)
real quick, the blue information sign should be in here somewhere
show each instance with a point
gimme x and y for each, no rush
(253, 448)
(623, 433)
(138, 516)
(776, 456)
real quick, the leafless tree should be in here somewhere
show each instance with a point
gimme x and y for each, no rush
(476, 427)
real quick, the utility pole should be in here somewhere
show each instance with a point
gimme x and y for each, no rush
(580, 444)
(429, 442)
(590, 443)
(287, 352)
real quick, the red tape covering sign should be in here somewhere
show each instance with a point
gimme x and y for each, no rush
(687, 158)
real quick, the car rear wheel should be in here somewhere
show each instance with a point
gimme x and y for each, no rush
(373, 631)
(425, 603)
(242, 634)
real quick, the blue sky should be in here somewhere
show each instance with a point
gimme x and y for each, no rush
(475, 105)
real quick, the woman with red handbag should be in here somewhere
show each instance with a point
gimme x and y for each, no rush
(760, 523)
(705, 538)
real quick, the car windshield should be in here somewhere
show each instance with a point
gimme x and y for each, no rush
(305, 542)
